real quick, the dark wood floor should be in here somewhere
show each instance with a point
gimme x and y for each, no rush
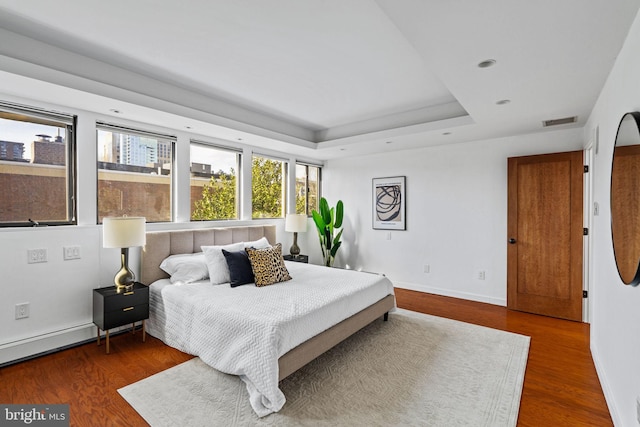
(560, 388)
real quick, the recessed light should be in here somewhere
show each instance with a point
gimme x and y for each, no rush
(113, 110)
(487, 63)
(503, 102)
(389, 142)
(187, 127)
(446, 133)
(239, 139)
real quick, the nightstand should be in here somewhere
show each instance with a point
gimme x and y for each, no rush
(112, 309)
(299, 258)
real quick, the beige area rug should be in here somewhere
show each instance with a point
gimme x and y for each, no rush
(414, 370)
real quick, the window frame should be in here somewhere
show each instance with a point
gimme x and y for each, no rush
(319, 195)
(239, 153)
(172, 139)
(51, 118)
(286, 170)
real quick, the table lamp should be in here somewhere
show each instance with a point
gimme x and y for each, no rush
(124, 233)
(295, 223)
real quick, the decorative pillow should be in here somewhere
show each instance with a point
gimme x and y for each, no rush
(268, 265)
(216, 263)
(240, 270)
(185, 268)
(261, 243)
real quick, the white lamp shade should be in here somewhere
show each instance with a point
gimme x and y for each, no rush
(123, 232)
(295, 223)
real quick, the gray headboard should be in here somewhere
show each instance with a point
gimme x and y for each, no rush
(161, 244)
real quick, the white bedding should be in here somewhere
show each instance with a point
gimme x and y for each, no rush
(244, 330)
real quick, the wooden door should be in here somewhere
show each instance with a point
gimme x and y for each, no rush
(545, 233)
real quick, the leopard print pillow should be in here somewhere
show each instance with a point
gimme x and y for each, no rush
(268, 265)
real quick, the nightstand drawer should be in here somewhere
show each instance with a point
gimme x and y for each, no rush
(125, 315)
(126, 299)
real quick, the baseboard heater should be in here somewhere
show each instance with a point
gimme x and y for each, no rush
(64, 347)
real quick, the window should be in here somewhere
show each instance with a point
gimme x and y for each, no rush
(307, 188)
(134, 173)
(214, 182)
(268, 177)
(37, 165)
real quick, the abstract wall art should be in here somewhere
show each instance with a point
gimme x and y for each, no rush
(389, 202)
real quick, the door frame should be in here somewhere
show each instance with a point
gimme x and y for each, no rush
(591, 208)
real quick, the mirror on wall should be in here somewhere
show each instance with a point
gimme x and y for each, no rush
(625, 199)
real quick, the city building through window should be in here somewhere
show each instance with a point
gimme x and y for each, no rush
(134, 173)
(37, 164)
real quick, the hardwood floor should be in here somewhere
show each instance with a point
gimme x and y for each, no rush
(560, 388)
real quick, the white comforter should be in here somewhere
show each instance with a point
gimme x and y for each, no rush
(244, 330)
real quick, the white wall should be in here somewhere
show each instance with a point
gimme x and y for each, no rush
(456, 213)
(615, 325)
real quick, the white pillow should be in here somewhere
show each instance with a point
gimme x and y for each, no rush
(217, 264)
(261, 243)
(186, 268)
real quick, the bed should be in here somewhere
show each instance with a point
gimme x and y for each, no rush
(262, 334)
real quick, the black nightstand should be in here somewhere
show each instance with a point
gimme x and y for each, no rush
(112, 309)
(299, 258)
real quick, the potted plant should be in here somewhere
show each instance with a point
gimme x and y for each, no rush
(327, 222)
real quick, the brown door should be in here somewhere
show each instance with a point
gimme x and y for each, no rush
(545, 233)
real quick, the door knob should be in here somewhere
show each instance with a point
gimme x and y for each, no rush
(512, 241)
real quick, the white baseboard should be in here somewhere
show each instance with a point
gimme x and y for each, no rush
(450, 293)
(52, 341)
(606, 389)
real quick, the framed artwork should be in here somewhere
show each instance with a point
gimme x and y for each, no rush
(389, 203)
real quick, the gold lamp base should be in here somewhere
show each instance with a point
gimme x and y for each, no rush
(124, 277)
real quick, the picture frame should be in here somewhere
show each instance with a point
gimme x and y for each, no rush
(389, 203)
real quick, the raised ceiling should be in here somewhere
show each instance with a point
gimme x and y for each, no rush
(321, 79)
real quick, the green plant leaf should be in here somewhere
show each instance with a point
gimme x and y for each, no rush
(333, 214)
(337, 238)
(317, 218)
(324, 211)
(335, 248)
(327, 239)
(339, 214)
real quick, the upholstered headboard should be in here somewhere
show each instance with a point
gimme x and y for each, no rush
(161, 244)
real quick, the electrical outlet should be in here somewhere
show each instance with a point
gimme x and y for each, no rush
(482, 275)
(36, 255)
(427, 268)
(71, 252)
(22, 310)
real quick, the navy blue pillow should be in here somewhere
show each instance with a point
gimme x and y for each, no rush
(240, 269)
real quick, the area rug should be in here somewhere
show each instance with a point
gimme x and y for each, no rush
(414, 370)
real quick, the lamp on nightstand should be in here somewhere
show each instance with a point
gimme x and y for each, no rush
(124, 233)
(295, 223)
